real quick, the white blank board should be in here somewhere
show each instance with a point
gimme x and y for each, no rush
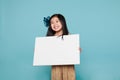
(54, 50)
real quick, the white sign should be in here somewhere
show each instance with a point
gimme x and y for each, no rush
(56, 50)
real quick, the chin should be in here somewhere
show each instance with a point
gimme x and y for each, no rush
(56, 30)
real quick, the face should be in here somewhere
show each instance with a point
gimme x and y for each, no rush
(56, 24)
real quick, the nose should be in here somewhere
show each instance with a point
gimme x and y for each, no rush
(55, 24)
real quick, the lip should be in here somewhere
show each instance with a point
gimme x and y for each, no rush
(56, 27)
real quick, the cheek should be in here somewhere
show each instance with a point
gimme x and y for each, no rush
(52, 27)
(60, 26)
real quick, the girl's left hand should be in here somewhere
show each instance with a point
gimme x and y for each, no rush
(80, 49)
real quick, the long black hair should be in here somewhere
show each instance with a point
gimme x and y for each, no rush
(50, 32)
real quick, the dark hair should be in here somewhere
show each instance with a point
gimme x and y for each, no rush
(50, 32)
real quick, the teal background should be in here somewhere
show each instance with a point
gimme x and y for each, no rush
(97, 22)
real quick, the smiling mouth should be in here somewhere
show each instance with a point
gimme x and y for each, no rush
(56, 27)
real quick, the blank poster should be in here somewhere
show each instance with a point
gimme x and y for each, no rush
(56, 50)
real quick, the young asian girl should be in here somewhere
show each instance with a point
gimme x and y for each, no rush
(57, 27)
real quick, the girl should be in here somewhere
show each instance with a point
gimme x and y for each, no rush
(57, 27)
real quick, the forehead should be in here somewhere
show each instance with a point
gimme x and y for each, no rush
(54, 18)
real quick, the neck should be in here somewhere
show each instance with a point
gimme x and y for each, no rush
(59, 33)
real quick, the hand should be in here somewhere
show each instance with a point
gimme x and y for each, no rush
(80, 49)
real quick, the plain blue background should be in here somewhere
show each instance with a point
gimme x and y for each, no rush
(97, 22)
